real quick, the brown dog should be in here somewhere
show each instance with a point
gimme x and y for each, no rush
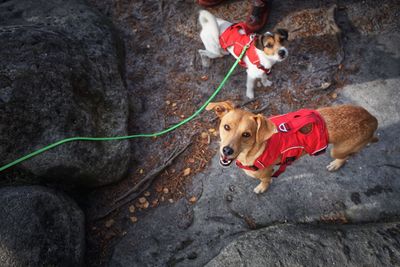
(249, 139)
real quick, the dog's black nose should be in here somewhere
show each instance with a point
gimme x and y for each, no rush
(227, 151)
(282, 53)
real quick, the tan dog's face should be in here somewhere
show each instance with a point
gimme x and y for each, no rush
(240, 131)
(273, 44)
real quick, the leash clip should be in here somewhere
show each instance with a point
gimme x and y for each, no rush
(252, 36)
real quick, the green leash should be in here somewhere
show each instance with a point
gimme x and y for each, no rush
(170, 129)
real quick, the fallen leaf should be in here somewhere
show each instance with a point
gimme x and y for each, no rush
(186, 172)
(165, 190)
(132, 209)
(174, 104)
(146, 194)
(133, 219)
(334, 95)
(142, 200)
(204, 78)
(141, 171)
(171, 200)
(211, 130)
(204, 135)
(191, 160)
(193, 199)
(109, 223)
(154, 203)
(168, 102)
(146, 205)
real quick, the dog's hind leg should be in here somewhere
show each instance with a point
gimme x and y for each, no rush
(250, 86)
(206, 55)
(341, 152)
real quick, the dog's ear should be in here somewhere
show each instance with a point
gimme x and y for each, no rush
(261, 42)
(265, 128)
(283, 34)
(220, 108)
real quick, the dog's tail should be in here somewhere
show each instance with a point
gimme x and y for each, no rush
(208, 20)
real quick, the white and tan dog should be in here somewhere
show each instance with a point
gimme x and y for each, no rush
(221, 37)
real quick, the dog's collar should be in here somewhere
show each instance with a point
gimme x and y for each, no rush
(267, 71)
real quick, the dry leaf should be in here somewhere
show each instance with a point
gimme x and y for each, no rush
(165, 190)
(142, 200)
(146, 194)
(193, 199)
(204, 77)
(168, 102)
(186, 172)
(133, 219)
(132, 209)
(109, 223)
(141, 171)
(211, 130)
(204, 135)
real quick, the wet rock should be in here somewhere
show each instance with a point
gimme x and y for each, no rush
(302, 245)
(40, 227)
(60, 76)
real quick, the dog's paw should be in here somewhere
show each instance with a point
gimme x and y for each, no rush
(250, 95)
(335, 165)
(205, 62)
(266, 82)
(261, 188)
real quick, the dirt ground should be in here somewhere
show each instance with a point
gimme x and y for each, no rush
(167, 83)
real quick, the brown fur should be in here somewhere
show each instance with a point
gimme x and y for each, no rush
(350, 128)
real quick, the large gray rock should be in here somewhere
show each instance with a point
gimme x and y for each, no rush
(60, 76)
(308, 245)
(366, 189)
(40, 227)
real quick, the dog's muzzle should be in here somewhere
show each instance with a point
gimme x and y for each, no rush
(283, 53)
(224, 161)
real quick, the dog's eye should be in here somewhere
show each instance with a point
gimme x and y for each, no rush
(226, 127)
(269, 45)
(246, 134)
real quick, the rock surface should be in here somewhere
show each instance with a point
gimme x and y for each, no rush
(60, 76)
(365, 190)
(311, 245)
(40, 227)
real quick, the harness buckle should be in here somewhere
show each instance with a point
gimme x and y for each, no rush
(252, 36)
(283, 127)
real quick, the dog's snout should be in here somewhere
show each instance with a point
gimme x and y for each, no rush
(227, 150)
(282, 53)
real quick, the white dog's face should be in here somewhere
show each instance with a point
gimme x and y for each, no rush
(273, 45)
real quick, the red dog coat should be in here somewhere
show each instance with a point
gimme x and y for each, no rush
(232, 37)
(289, 142)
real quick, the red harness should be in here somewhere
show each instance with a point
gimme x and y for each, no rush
(232, 37)
(289, 142)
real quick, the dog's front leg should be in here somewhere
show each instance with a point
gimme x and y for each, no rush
(264, 176)
(250, 86)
